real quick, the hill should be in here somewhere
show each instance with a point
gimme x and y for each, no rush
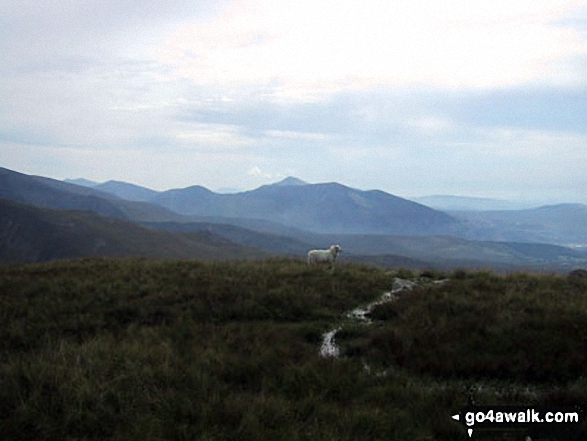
(275, 243)
(126, 191)
(335, 208)
(32, 234)
(451, 252)
(81, 181)
(331, 207)
(468, 203)
(52, 193)
(291, 217)
(120, 189)
(440, 252)
(563, 224)
(290, 180)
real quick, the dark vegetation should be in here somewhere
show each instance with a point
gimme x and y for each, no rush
(521, 327)
(149, 350)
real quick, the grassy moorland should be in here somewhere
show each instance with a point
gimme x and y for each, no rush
(154, 350)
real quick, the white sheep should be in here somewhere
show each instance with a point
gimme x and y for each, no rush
(329, 255)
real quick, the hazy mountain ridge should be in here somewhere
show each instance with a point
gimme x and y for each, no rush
(329, 207)
(290, 180)
(333, 207)
(372, 226)
(81, 181)
(563, 224)
(439, 252)
(129, 192)
(324, 208)
(470, 203)
(51, 193)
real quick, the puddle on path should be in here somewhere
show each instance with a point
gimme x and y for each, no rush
(328, 348)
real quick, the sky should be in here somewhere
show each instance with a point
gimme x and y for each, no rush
(421, 97)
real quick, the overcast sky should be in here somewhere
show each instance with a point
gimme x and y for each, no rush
(419, 97)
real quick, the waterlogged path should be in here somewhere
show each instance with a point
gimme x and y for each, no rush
(328, 348)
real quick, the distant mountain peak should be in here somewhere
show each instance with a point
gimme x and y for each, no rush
(127, 191)
(290, 181)
(81, 181)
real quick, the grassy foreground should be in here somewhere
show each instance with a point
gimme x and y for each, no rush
(153, 350)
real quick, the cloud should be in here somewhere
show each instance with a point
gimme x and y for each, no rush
(411, 97)
(292, 135)
(33, 33)
(258, 173)
(305, 49)
(430, 124)
(214, 136)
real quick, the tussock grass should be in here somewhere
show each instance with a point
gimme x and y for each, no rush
(524, 327)
(154, 350)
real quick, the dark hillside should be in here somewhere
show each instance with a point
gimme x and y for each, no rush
(50, 193)
(31, 234)
(272, 242)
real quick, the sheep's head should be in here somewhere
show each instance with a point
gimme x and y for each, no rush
(335, 249)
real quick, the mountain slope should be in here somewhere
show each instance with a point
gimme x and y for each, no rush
(275, 243)
(31, 234)
(563, 224)
(290, 180)
(126, 191)
(194, 200)
(467, 203)
(51, 193)
(81, 181)
(45, 192)
(330, 207)
(452, 251)
(407, 251)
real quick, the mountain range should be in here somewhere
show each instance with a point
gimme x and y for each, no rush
(288, 217)
(323, 208)
(52, 193)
